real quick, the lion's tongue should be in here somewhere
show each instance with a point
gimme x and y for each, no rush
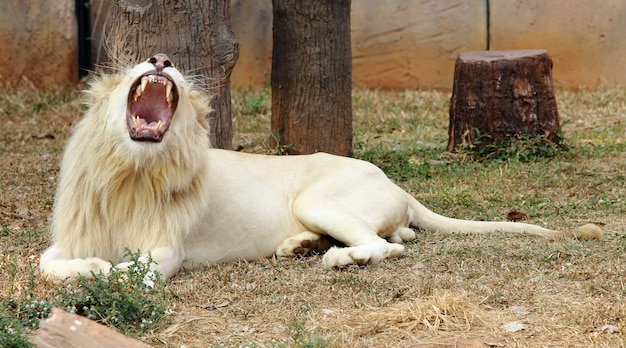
(151, 105)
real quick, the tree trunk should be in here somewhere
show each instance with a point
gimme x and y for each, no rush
(195, 34)
(499, 94)
(312, 77)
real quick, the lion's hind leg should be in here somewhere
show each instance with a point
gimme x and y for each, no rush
(372, 252)
(360, 227)
(361, 255)
(304, 244)
(401, 235)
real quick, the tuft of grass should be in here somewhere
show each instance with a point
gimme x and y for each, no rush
(400, 164)
(523, 148)
(305, 338)
(27, 102)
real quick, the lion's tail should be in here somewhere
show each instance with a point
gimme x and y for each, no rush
(428, 220)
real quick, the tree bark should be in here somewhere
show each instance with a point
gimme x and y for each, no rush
(195, 34)
(311, 77)
(502, 94)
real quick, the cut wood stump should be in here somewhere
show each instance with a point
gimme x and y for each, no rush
(67, 330)
(500, 94)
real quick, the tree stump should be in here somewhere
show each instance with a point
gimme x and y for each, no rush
(500, 94)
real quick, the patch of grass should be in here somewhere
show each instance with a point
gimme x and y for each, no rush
(400, 164)
(251, 109)
(523, 148)
(305, 338)
(27, 102)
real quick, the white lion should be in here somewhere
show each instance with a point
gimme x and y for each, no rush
(138, 173)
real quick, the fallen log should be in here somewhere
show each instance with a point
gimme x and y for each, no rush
(63, 329)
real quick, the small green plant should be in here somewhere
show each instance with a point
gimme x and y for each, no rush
(29, 310)
(123, 299)
(302, 337)
(12, 332)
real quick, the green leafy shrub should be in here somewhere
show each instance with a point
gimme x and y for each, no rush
(12, 332)
(121, 299)
(133, 301)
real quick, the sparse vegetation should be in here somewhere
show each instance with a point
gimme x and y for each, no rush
(522, 148)
(121, 300)
(565, 293)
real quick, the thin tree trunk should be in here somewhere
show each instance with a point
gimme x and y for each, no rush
(312, 76)
(195, 34)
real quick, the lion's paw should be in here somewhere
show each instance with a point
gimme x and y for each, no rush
(303, 244)
(58, 270)
(402, 234)
(361, 255)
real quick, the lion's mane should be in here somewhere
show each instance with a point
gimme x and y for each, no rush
(114, 194)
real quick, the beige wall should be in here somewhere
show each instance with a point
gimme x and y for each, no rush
(586, 39)
(395, 43)
(39, 43)
(414, 43)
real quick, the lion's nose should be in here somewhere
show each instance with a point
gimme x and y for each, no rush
(160, 61)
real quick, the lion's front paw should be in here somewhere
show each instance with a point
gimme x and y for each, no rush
(361, 255)
(56, 270)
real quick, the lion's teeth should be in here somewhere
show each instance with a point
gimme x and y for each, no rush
(158, 125)
(144, 83)
(168, 92)
(137, 122)
(137, 94)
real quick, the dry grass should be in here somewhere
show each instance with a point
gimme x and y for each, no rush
(448, 290)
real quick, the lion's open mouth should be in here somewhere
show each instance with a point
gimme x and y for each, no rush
(151, 104)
